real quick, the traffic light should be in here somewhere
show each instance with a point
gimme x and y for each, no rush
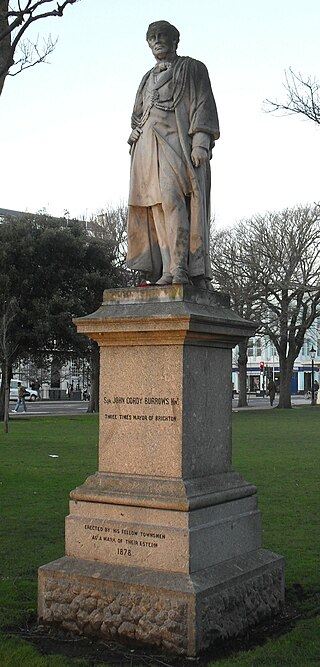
(261, 366)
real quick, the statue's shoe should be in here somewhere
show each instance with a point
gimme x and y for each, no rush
(166, 279)
(180, 277)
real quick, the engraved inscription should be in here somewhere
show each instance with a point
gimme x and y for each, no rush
(139, 400)
(149, 402)
(125, 539)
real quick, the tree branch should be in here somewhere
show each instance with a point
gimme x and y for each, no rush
(303, 97)
(14, 24)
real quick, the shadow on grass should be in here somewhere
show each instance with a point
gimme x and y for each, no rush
(95, 652)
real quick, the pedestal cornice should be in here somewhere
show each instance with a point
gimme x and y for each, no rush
(173, 315)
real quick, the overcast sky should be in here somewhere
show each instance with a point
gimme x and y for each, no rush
(64, 125)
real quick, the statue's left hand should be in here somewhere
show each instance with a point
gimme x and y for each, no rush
(199, 155)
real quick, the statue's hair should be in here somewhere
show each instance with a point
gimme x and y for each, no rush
(168, 26)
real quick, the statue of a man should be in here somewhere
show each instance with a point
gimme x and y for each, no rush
(175, 125)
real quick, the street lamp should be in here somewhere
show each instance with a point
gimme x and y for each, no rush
(312, 355)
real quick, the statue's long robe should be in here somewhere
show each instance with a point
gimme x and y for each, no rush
(172, 113)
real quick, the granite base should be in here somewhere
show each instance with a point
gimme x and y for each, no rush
(179, 613)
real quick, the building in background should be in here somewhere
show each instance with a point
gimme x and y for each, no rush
(263, 363)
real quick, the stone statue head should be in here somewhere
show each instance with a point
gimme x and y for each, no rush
(166, 33)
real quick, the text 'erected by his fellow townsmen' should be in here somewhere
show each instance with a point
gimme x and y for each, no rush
(124, 538)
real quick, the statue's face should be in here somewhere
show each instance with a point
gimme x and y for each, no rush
(161, 43)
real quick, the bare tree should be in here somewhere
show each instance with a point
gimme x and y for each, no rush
(303, 97)
(235, 273)
(111, 225)
(270, 266)
(288, 263)
(18, 53)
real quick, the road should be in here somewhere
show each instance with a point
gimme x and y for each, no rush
(60, 408)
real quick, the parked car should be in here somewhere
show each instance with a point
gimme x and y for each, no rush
(32, 395)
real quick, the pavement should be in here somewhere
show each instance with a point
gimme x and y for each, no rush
(46, 408)
(260, 403)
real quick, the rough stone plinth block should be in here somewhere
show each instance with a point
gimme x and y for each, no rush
(180, 613)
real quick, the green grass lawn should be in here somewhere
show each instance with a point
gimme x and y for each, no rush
(278, 450)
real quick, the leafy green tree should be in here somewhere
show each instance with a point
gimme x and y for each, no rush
(51, 270)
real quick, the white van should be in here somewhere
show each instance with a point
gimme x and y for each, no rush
(31, 396)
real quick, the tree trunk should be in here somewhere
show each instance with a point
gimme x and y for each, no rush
(2, 392)
(5, 43)
(242, 367)
(95, 377)
(286, 368)
(6, 374)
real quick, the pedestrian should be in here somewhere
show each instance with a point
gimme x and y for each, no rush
(37, 387)
(22, 393)
(271, 391)
(315, 390)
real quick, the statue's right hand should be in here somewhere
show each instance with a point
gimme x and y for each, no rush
(134, 136)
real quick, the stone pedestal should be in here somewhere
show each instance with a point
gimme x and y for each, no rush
(163, 543)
